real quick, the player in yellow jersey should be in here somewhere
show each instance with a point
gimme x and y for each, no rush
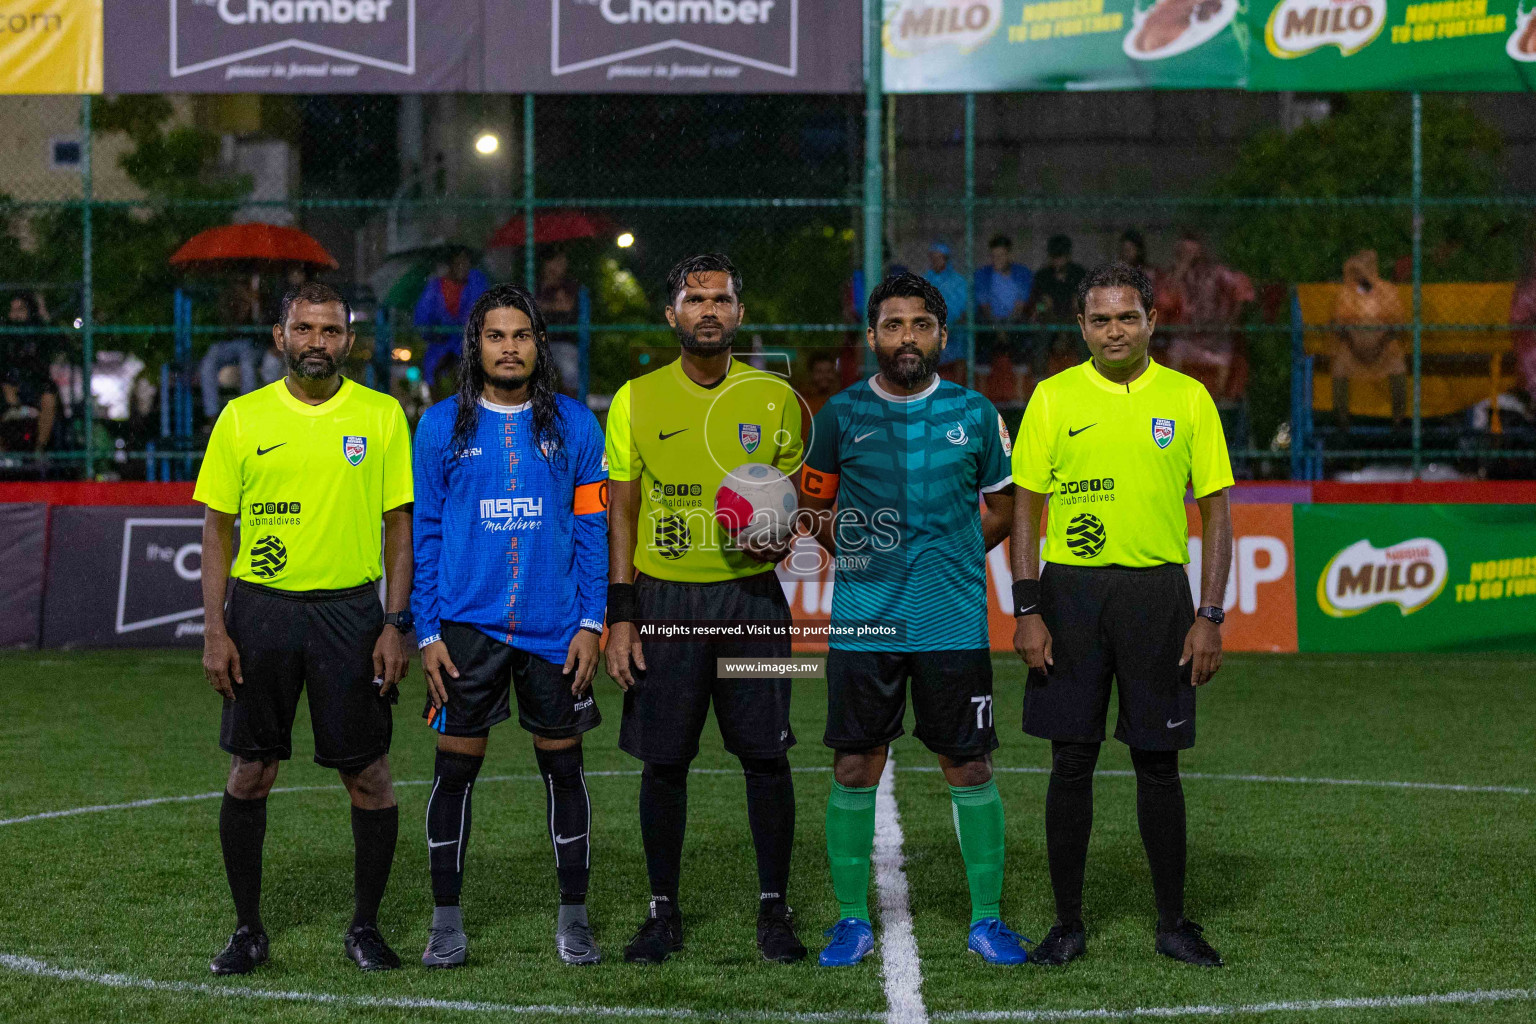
(313, 468)
(673, 434)
(1113, 444)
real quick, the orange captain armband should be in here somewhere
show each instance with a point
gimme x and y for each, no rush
(818, 484)
(591, 498)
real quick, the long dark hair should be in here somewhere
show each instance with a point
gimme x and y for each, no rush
(543, 386)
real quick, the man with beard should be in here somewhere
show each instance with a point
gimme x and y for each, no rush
(511, 579)
(673, 434)
(314, 463)
(903, 458)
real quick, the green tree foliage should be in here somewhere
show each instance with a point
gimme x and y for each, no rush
(132, 245)
(1365, 150)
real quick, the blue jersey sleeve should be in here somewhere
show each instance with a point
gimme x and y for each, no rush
(590, 505)
(431, 490)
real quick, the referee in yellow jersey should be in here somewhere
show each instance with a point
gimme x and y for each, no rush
(673, 435)
(1113, 444)
(311, 467)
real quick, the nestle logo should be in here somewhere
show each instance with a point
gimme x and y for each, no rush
(234, 34)
(761, 34)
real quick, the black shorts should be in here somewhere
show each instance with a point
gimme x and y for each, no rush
(1111, 622)
(951, 699)
(664, 711)
(316, 639)
(489, 671)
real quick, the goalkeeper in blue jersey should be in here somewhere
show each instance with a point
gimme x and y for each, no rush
(511, 584)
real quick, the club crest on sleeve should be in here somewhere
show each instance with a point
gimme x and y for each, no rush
(354, 448)
(1002, 435)
(751, 435)
(1162, 431)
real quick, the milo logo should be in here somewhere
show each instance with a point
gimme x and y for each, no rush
(921, 25)
(1297, 27)
(1409, 575)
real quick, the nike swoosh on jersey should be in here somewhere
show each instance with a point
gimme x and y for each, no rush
(662, 437)
(562, 840)
(1079, 430)
(262, 451)
(446, 842)
(861, 437)
(1174, 725)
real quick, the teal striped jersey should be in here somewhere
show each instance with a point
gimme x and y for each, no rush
(907, 474)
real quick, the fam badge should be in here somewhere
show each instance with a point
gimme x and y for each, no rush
(354, 448)
(751, 436)
(1162, 432)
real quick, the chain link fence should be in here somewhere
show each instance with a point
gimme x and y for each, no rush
(1245, 230)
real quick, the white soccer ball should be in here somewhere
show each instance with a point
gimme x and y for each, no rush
(756, 504)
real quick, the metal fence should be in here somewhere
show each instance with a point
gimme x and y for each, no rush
(811, 195)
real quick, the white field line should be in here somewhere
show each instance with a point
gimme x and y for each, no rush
(156, 800)
(1297, 780)
(1294, 780)
(1500, 995)
(40, 969)
(900, 968)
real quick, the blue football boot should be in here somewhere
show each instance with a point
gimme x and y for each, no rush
(852, 941)
(997, 943)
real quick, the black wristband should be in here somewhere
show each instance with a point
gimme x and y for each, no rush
(1026, 597)
(621, 603)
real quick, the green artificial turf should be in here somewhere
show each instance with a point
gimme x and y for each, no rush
(1311, 891)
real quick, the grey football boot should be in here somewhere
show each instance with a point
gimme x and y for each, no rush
(573, 936)
(447, 945)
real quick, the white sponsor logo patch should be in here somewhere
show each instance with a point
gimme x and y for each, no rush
(1410, 575)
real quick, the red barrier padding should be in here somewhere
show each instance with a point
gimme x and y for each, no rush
(92, 493)
(1442, 492)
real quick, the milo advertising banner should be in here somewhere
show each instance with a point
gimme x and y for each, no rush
(1000, 45)
(1461, 45)
(1415, 577)
(1260, 45)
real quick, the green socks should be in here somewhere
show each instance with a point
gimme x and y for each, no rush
(851, 838)
(979, 827)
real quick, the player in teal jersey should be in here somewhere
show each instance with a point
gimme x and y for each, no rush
(903, 457)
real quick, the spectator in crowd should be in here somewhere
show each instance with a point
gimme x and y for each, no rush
(27, 383)
(822, 380)
(1133, 250)
(1205, 299)
(1522, 314)
(559, 297)
(443, 309)
(1368, 347)
(1053, 300)
(1002, 295)
(952, 285)
(239, 306)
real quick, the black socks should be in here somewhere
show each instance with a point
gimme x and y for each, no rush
(448, 814)
(663, 820)
(373, 837)
(242, 830)
(570, 819)
(1160, 813)
(771, 814)
(1068, 823)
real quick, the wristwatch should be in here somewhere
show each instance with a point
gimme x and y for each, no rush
(403, 621)
(1212, 612)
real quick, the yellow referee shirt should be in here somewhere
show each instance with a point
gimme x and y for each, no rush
(311, 483)
(1116, 460)
(679, 440)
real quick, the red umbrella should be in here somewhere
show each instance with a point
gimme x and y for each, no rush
(551, 226)
(253, 242)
